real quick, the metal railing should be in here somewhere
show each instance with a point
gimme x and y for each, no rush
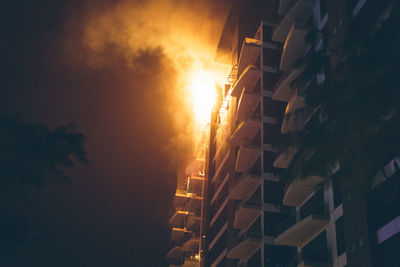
(233, 75)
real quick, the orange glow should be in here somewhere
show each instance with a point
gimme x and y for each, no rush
(202, 90)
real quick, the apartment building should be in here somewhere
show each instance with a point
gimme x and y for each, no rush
(186, 219)
(250, 215)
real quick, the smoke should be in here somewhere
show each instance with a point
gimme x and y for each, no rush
(181, 34)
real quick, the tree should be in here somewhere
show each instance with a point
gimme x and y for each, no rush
(31, 156)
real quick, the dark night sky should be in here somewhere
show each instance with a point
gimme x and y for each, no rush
(115, 212)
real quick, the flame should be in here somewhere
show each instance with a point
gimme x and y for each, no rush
(203, 94)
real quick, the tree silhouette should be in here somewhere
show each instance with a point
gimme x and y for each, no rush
(31, 156)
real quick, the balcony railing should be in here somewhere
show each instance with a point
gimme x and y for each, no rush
(297, 191)
(300, 228)
(248, 78)
(251, 50)
(244, 186)
(247, 155)
(282, 89)
(247, 104)
(245, 130)
(297, 9)
(247, 245)
(246, 214)
(284, 158)
(295, 46)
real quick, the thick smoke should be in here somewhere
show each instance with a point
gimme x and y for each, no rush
(182, 34)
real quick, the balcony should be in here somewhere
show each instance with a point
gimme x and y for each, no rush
(177, 233)
(195, 184)
(178, 218)
(251, 50)
(196, 168)
(300, 189)
(296, 10)
(175, 254)
(192, 220)
(193, 204)
(294, 122)
(191, 244)
(298, 233)
(192, 262)
(311, 259)
(247, 156)
(245, 130)
(247, 104)
(246, 214)
(284, 158)
(248, 245)
(248, 79)
(296, 101)
(282, 89)
(182, 197)
(295, 47)
(245, 186)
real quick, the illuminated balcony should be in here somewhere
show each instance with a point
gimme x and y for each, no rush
(195, 168)
(251, 50)
(191, 262)
(245, 130)
(299, 233)
(177, 233)
(282, 90)
(247, 156)
(300, 189)
(195, 184)
(248, 245)
(186, 218)
(248, 79)
(191, 244)
(245, 186)
(179, 217)
(297, 9)
(246, 214)
(294, 122)
(247, 104)
(182, 197)
(284, 158)
(295, 47)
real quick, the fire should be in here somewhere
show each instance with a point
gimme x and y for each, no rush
(202, 89)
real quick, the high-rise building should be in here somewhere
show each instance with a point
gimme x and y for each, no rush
(250, 215)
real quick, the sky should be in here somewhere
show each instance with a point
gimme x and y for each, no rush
(118, 70)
